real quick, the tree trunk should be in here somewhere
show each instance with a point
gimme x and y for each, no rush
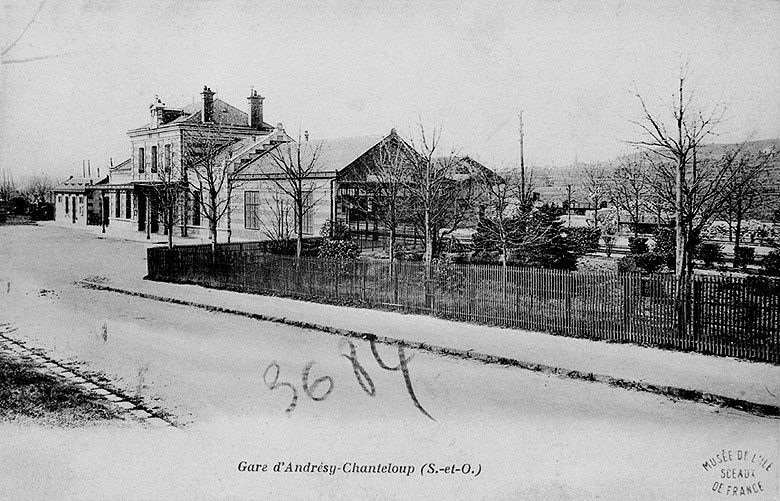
(680, 254)
(738, 213)
(299, 232)
(392, 246)
(229, 227)
(428, 256)
(213, 233)
(636, 219)
(428, 261)
(170, 227)
(393, 278)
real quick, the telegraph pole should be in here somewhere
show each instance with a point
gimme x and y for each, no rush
(522, 160)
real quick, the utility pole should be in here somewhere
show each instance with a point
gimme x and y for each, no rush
(522, 160)
(102, 212)
(568, 203)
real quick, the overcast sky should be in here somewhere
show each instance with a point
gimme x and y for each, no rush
(85, 72)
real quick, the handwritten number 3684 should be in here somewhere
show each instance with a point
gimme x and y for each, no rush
(310, 388)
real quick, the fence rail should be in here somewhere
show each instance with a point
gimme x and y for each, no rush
(730, 316)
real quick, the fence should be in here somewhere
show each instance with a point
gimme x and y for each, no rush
(730, 316)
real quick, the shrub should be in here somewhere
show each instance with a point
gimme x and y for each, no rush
(744, 256)
(485, 257)
(771, 263)
(648, 262)
(343, 250)
(710, 253)
(583, 240)
(665, 245)
(638, 245)
(340, 231)
(627, 264)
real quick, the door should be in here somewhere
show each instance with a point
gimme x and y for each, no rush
(153, 216)
(141, 212)
(106, 208)
(73, 208)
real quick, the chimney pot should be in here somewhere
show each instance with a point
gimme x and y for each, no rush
(306, 135)
(207, 113)
(255, 109)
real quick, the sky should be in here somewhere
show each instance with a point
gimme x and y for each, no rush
(86, 71)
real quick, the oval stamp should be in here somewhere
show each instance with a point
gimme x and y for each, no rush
(738, 472)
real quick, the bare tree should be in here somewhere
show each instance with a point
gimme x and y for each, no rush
(507, 223)
(383, 196)
(4, 59)
(596, 185)
(441, 190)
(629, 188)
(206, 160)
(712, 180)
(297, 166)
(168, 187)
(38, 188)
(277, 219)
(746, 188)
(678, 147)
(7, 187)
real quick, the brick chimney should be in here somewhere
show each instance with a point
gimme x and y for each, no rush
(255, 109)
(155, 109)
(207, 113)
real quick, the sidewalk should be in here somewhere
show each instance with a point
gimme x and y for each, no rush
(734, 383)
(135, 236)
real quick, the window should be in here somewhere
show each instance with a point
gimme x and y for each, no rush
(141, 161)
(167, 158)
(308, 216)
(252, 210)
(196, 208)
(128, 205)
(59, 198)
(117, 204)
(66, 205)
(154, 159)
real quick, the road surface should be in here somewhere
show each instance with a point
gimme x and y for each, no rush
(230, 381)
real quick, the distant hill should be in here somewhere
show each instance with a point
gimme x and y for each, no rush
(552, 181)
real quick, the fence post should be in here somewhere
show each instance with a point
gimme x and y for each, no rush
(337, 269)
(243, 270)
(695, 314)
(362, 266)
(571, 289)
(625, 279)
(394, 279)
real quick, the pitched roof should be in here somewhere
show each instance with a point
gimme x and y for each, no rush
(224, 114)
(332, 155)
(78, 184)
(126, 165)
